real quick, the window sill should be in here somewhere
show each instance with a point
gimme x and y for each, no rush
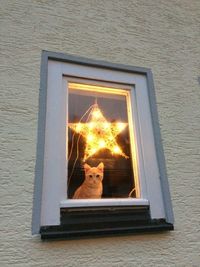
(107, 220)
(104, 202)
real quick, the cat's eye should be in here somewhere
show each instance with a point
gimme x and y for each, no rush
(90, 176)
(97, 175)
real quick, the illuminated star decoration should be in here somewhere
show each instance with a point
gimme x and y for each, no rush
(99, 133)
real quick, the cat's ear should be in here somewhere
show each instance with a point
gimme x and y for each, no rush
(100, 166)
(86, 167)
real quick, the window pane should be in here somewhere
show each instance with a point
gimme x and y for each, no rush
(98, 134)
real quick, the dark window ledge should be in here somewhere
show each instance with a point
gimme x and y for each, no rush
(103, 221)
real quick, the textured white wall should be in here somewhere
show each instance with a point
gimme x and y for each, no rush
(159, 34)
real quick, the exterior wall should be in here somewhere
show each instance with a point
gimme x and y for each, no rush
(162, 35)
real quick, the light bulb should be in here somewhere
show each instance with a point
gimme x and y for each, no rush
(90, 137)
(116, 149)
(93, 151)
(79, 127)
(102, 143)
(91, 125)
(106, 125)
(96, 113)
(121, 126)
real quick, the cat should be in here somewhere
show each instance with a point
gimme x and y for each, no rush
(92, 185)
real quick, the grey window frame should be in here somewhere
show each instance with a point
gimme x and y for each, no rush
(59, 57)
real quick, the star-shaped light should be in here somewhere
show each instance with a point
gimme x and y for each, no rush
(99, 133)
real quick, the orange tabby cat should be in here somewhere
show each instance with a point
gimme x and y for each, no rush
(92, 185)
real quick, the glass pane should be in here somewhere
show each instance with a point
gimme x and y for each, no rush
(99, 146)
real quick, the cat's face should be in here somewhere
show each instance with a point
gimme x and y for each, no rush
(94, 175)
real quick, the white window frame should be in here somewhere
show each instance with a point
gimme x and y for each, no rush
(51, 172)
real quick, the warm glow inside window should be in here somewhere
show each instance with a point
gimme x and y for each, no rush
(100, 143)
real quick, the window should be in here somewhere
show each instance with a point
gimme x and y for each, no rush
(100, 165)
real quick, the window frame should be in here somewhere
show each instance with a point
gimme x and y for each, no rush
(56, 65)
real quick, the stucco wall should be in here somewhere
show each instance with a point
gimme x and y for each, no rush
(159, 34)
